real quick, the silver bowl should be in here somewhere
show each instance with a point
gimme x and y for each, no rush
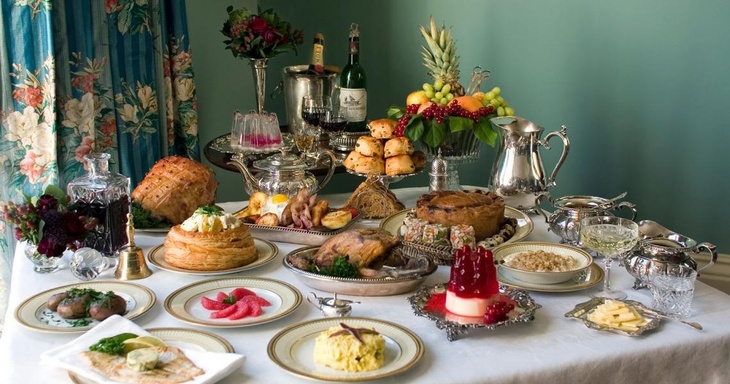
(358, 286)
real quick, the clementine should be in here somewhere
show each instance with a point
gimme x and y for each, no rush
(470, 103)
(417, 97)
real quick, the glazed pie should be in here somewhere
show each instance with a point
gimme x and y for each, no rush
(481, 209)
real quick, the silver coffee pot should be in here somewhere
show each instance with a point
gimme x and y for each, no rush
(663, 250)
(569, 210)
(517, 173)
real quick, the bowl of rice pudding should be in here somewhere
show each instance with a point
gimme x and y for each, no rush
(541, 262)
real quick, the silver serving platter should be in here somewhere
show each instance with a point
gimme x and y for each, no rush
(457, 325)
(293, 235)
(580, 313)
(346, 141)
(359, 287)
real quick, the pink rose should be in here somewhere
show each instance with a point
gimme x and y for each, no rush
(111, 5)
(258, 25)
(84, 148)
(30, 168)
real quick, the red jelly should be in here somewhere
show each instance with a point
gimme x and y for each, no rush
(473, 273)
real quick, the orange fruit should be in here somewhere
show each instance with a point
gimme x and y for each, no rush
(424, 106)
(479, 96)
(417, 97)
(470, 103)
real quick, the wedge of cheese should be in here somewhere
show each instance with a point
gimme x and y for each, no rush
(618, 315)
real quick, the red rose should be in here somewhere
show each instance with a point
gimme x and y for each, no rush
(270, 36)
(258, 25)
(74, 224)
(48, 248)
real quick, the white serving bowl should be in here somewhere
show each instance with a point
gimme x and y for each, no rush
(505, 251)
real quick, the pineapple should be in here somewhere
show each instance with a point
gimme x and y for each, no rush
(440, 56)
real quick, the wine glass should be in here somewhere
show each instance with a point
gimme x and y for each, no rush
(333, 122)
(610, 236)
(304, 139)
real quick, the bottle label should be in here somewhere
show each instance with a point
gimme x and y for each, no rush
(318, 57)
(354, 104)
(354, 47)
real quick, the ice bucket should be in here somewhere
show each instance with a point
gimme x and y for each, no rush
(297, 83)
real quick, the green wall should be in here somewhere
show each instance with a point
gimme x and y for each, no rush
(643, 88)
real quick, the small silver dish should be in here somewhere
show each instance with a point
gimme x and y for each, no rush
(581, 311)
(346, 141)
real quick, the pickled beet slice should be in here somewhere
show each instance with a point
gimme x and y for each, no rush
(223, 312)
(213, 305)
(243, 309)
(241, 292)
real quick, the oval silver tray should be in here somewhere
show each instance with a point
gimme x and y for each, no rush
(293, 235)
(455, 325)
(359, 287)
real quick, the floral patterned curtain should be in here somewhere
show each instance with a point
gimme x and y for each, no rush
(80, 76)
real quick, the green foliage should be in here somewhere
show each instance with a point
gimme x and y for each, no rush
(341, 267)
(113, 345)
(143, 218)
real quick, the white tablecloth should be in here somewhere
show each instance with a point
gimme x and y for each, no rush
(551, 349)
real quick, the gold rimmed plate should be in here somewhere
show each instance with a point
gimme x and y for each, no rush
(266, 251)
(584, 280)
(34, 314)
(185, 303)
(291, 349)
(188, 339)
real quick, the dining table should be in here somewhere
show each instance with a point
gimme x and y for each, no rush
(549, 349)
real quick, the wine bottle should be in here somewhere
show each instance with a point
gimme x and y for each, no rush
(353, 92)
(317, 63)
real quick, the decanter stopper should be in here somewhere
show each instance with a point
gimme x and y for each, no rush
(438, 175)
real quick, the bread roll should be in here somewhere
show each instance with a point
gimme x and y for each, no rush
(175, 187)
(352, 160)
(419, 159)
(398, 146)
(370, 165)
(369, 146)
(399, 165)
(336, 219)
(382, 128)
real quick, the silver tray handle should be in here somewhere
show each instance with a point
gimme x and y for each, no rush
(630, 206)
(562, 133)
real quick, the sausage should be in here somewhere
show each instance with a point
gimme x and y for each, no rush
(56, 299)
(74, 308)
(100, 310)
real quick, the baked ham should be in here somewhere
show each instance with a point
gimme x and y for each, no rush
(175, 187)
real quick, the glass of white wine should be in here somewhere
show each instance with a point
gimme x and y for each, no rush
(610, 236)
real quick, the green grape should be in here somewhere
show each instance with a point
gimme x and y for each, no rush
(435, 100)
(496, 91)
(495, 103)
(501, 99)
(438, 95)
(429, 94)
(427, 87)
(443, 101)
(508, 111)
(450, 97)
(446, 88)
(500, 111)
(489, 96)
(438, 84)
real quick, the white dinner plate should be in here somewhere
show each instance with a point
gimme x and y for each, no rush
(592, 276)
(525, 225)
(266, 251)
(184, 304)
(33, 314)
(292, 349)
(182, 338)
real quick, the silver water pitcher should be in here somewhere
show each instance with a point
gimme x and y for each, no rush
(517, 173)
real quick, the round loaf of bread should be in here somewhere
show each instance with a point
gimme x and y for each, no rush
(398, 146)
(369, 165)
(399, 165)
(419, 159)
(209, 251)
(382, 128)
(369, 146)
(352, 160)
(482, 210)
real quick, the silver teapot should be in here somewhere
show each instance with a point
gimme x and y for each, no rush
(569, 210)
(517, 172)
(284, 173)
(662, 250)
(331, 306)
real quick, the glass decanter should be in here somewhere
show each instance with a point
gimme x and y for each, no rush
(104, 195)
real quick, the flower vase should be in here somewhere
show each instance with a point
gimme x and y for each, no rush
(457, 148)
(258, 66)
(41, 262)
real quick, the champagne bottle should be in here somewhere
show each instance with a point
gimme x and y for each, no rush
(317, 63)
(353, 92)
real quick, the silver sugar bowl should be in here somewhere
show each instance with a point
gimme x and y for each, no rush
(569, 210)
(331, 306)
